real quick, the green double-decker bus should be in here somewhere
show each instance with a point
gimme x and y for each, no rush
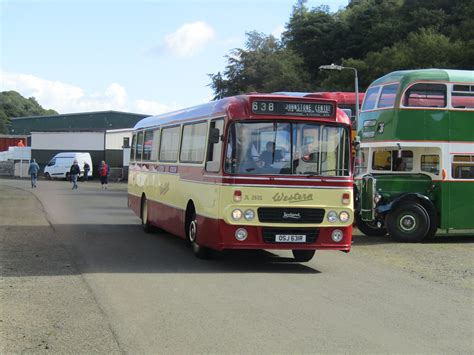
(415, 164)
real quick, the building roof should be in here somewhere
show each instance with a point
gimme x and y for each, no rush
(83, 121)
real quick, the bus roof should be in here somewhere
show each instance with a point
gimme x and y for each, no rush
(408, 76)
(234, 106)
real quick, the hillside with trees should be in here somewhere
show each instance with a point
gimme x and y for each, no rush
(12, 104)
(374, 36)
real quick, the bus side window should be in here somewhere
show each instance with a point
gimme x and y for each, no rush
(133, 148)
(430, 164)
(139, 148)
(214, 150)
(463, 167)
(462, 96)
(425, 95)
(382, 160)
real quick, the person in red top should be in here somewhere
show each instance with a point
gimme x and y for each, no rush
(104, 174)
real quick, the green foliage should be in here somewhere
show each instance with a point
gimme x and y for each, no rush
(374, 36)
(264, 65)
(12, 104)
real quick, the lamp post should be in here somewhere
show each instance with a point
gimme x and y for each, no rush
(339, 68)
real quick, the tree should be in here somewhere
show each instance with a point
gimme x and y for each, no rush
(12, 104)
(264, 65)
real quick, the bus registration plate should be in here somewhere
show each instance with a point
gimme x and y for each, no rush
(290, 238)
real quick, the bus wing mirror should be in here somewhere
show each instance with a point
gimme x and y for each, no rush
(214, 135)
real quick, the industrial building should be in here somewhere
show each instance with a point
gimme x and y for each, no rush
(105, 135)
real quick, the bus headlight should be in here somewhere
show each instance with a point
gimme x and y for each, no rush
(236, 214)
(332, 216)
(249, 215)
(377, 198)
(337, 235)
(343, 216)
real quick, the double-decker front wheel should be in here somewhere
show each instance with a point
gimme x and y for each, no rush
(408, 222)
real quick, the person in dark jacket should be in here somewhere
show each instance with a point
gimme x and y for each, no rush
(74, 171)
(33, 170)
(87, 168)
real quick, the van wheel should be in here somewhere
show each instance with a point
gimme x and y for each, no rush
(192, 233)
(303, 255)
(146, 226)
(68, 177)
(408, 222)
(47, 176)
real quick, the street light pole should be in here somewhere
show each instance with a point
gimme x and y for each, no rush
(339, 68)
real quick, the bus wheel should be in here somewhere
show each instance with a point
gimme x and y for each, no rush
(146, 226)
(369, 229)
(408, 222)
(303, 255)
(192, 228)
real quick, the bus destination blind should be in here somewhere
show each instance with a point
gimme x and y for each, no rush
(286, 108)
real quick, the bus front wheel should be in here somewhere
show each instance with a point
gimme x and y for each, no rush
(303, 255)
(408, 222)
(192, 230)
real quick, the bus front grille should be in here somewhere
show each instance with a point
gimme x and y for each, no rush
(290, 215)
(270, 234)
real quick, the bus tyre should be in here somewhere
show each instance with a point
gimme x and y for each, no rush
(146, 226)
(199, 251)
(303, 255)
(369, 229)
(408, 222)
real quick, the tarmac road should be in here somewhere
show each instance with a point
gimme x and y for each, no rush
(79, 276)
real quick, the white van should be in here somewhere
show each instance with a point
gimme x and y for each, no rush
(59, 166)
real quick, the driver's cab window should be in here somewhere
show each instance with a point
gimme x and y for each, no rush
(52, 162)
(392, 160)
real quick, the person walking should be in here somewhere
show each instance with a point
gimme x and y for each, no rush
(33, 170)
(87, 168)
(104, 174)
(74, 172)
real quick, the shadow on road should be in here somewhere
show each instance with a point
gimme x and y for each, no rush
(438, 239)
(72, 249)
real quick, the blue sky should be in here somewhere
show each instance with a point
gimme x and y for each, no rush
(137, 56)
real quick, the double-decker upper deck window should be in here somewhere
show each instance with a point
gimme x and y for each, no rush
(169, 144)
(387, 97)
(147, 145)
(370, 98)
(463, 167)
(462, 96)
(194, 143)
(425, 95)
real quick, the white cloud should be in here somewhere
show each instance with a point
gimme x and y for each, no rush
(278, 31)
(67, 98)
(189, 39)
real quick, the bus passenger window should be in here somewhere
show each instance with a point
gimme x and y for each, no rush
(430, 164)
(402, 160)
(169, 144)
(463, 167)
(139, 149)
(147, 145)
(425, 95)
(462, 96)
(155, 145)
(133, 148)
(194, 143)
